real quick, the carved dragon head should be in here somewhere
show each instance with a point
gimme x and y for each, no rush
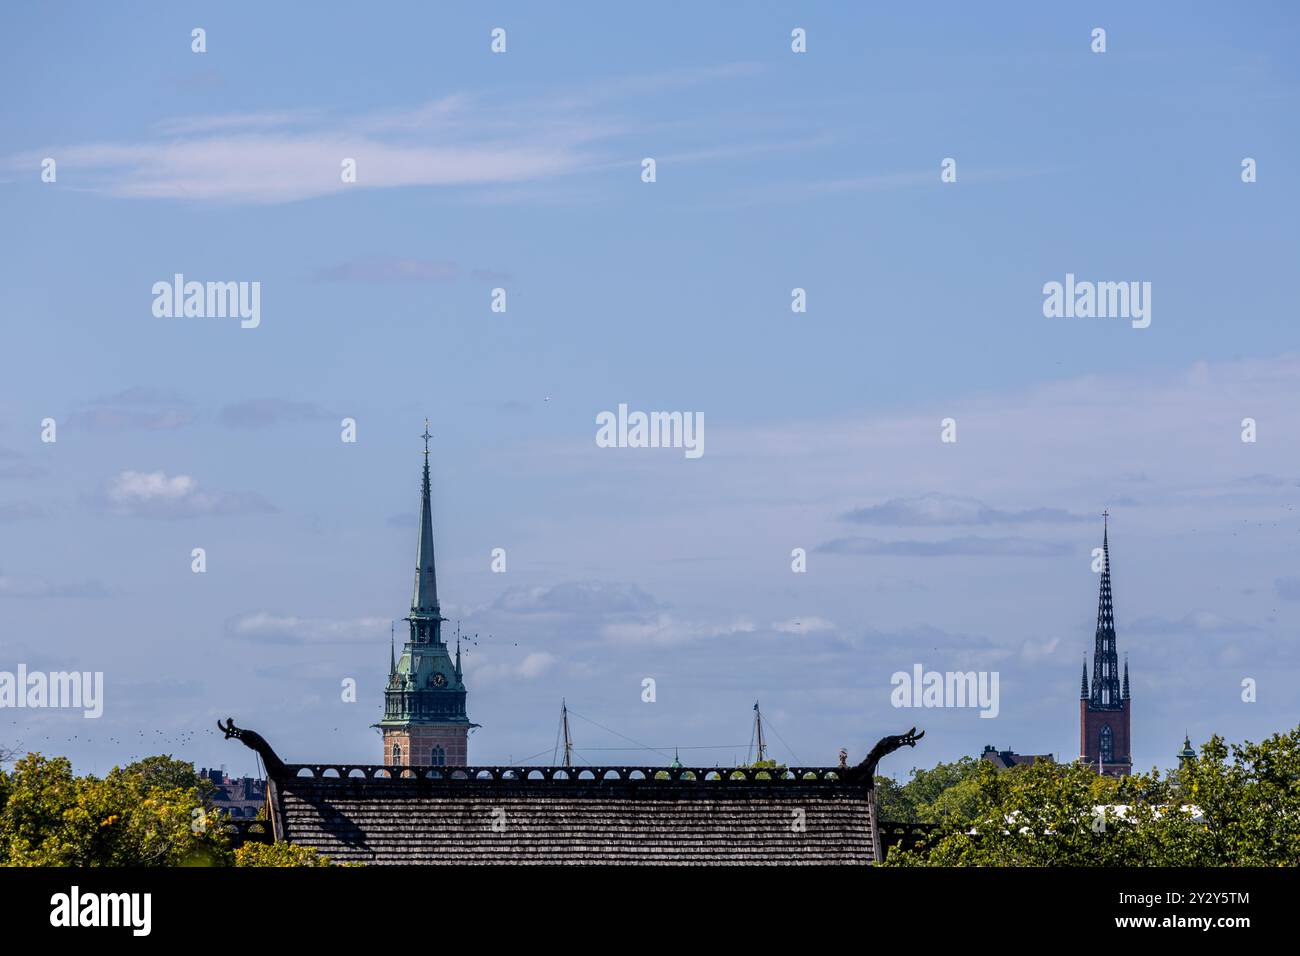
(910, 738)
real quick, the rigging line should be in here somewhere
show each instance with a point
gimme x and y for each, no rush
(522, 760)
(556, 749)
(617, 734)
(753, 729)
(797, 761)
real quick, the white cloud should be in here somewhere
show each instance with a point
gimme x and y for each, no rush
(138, 486)
(481, 669)
(535, 665)
(155, 494)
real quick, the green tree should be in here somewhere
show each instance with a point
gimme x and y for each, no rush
(153, 812)
(278, 854)
(1237, 806)
(136, 816)
(167, 773)
(931, 796)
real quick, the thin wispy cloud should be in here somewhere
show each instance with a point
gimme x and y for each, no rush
(15, 465)
(21, 511)
(263, 412)
(1288, 589)
(28, 586)
(935, 510)
(578, 598)
(140, 407)
(459, 140)
(968, 546)
(672, 629)
(287, 165)
(291, 629)
(398, 269)
(1198, 621)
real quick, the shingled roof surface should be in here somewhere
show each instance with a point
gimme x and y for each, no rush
(389, 820)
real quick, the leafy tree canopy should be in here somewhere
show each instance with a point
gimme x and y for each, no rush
(1232, 806)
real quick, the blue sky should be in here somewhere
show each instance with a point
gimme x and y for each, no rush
(774, 171)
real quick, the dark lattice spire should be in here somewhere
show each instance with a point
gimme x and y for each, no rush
(425, 599)
(1126, 697)
(1083, 685)
(1106, 692)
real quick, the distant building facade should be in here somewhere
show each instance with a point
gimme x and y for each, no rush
(1002, 759)
(1104, 707)
(237, 796)
(425, 723)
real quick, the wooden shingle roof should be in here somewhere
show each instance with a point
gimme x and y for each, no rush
(588, 815)
(626, 817)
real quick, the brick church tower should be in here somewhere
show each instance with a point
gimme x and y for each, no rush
(1104, 741)
(424, 723)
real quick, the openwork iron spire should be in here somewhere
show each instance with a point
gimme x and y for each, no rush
(1105, 661)
(425, 600)
(1083, 685)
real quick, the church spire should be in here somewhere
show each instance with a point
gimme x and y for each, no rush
(1105, 661)
(1083, 685)
(425, 599)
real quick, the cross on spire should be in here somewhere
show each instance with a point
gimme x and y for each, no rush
(426, 436)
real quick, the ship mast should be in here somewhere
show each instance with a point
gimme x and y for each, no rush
(568, 741)
(758, 733)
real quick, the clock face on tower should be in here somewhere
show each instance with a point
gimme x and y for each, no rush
(439, 680)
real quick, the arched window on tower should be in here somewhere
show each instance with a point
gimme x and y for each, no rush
(1107, 745)
(438, 757)
(397, 754)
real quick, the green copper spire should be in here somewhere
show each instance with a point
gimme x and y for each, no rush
(426, 684)
(425, 599)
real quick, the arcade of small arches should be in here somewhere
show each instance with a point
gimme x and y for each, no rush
(516, 774)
